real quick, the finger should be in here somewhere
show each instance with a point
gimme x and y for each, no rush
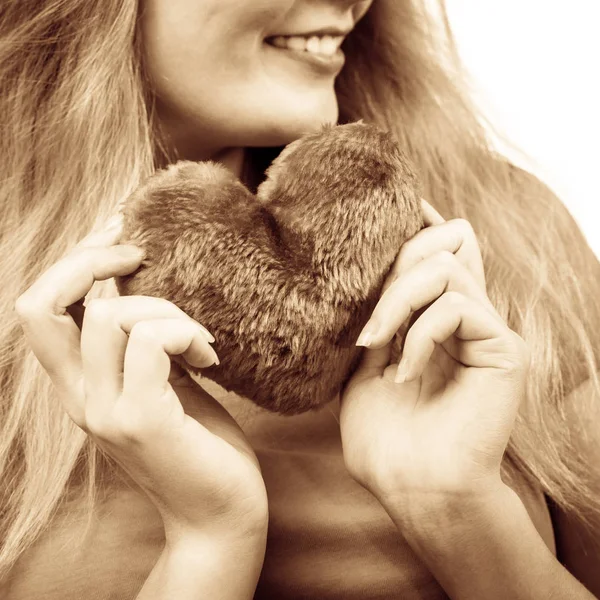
(430, 215)
(104, 338)
(147, 357)
(50, 330)
(486, 342)
(456, 236)
(71, 278)
(108, 235)
(416, 288)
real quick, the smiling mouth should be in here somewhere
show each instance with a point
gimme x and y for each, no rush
(322, 45)
(322, 52)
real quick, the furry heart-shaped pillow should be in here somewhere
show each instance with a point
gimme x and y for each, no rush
(284, 280)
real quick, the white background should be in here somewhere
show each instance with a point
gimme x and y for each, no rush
(535, 71)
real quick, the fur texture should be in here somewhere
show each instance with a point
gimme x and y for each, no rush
(284, 280)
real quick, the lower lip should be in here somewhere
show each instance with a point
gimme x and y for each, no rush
(327, 65)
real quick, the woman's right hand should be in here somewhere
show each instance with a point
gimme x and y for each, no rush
(113, 380)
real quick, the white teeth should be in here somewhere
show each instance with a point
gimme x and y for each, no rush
(313, 44)
(297, 43)
(327, 44)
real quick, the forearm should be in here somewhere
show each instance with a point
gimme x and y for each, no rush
(486, 548)
(206, 569)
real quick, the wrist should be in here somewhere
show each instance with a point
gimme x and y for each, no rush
(219, 548)
(206, 565)
(228, 555)
(437, 519)
(235, 534)
(483, 545)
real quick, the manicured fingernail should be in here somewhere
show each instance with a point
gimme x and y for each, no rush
(127, 251)
(212, 356)
(208, 334)
(200, 355)
(364, 339)
(367, 334)
(217, 361)
(402, 372)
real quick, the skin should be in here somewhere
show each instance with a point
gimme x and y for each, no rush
(426, 436)
(204, 56)
(460, 381)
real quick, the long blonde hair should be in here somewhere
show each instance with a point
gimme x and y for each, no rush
(78, 137)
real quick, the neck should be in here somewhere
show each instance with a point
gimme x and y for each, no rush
(232, 158)
(174, 148)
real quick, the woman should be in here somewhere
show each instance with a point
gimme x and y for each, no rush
(398, 489)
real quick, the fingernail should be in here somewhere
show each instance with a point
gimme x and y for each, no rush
(128, 251)
(214, 355)
(207, 359)
(366, 336)
(364, 339)
(402, 372)
(208, 334)
(211, 351)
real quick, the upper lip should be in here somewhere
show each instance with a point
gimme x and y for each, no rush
(334, 31)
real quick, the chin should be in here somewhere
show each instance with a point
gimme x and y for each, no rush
(282, 129)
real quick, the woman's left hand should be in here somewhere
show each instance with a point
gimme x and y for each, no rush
(442, 430)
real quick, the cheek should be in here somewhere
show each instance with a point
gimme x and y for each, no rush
(177, 33)
(208, 67)
(179, 44)
(204, 45)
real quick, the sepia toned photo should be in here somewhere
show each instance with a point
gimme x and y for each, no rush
(300, 300)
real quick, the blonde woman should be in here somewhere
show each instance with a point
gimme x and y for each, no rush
(468, 471)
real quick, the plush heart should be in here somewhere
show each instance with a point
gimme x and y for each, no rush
(284, 280)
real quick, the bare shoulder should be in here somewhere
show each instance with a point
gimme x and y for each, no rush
(572, 275)
(578, 544)
(71, 561)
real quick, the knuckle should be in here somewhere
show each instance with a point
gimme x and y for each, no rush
(118, 427)
(98, 426)
(517, 356)
(446, 259)
(26, 307)
(411, 253)
(406, 248)
(144, 330)
(464, 226)
(454, 299)
(128, 426)
(100, 309)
